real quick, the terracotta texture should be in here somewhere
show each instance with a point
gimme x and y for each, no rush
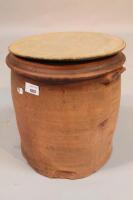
(67, 131)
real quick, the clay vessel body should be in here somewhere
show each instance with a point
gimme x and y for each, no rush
(67, 130)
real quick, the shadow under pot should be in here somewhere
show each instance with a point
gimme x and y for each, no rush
(66, 112)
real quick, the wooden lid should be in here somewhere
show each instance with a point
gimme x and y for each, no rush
(67, 46)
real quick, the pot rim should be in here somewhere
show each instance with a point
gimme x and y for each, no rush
(70, 70)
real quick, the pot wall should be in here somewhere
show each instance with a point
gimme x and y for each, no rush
(67, 130)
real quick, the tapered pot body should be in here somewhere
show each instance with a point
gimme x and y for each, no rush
(67, 130)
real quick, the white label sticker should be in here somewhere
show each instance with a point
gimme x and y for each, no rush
(20, 90)
(32, 89)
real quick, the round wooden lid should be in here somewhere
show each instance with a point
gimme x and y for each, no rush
(67, 46)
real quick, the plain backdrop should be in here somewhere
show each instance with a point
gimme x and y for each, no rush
(21, 18)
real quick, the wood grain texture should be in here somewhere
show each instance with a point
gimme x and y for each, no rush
(67, 46)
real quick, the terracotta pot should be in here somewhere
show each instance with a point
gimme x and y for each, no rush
(67, 121)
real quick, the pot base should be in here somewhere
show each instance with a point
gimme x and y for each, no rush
(63, 174)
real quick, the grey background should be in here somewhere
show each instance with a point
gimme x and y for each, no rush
(21, 18)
